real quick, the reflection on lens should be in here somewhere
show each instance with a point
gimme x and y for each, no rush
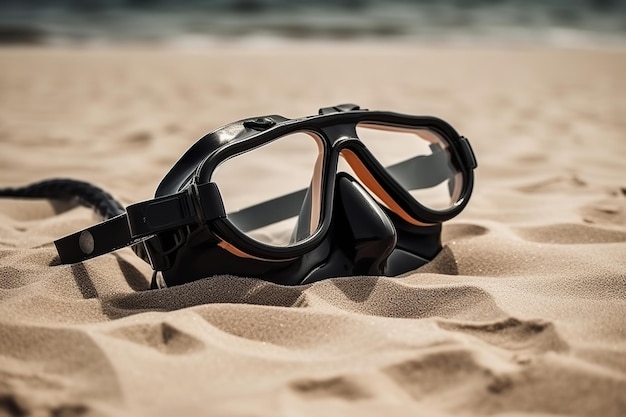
(251, 182)
(418, 159)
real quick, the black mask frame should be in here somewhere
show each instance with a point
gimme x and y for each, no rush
(186, 234)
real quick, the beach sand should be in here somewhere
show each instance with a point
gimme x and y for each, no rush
(522, 313)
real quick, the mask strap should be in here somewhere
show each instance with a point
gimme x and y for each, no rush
(424, 171)
(94, 241)
(195, 205)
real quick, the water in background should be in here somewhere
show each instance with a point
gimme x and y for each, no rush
(555, 22)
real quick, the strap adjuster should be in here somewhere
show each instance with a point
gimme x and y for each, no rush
(196, 204)
(163, 213)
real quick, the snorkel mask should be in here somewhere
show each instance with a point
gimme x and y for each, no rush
(358, 192)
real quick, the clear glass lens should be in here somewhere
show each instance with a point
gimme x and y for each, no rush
(249, 182)
(419, 159)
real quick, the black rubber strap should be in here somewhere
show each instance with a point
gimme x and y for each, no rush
(268, 212)
(196, 205)
(94, 241)
(423, 171)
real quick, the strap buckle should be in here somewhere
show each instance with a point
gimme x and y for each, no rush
(196, 204)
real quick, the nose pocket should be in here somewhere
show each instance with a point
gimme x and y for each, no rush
(362, 236)
(363, 230)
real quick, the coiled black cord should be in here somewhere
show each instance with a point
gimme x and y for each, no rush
(83, 193)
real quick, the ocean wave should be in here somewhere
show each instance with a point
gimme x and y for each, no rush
(75, 21)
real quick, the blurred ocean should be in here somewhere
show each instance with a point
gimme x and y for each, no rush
(552, 22)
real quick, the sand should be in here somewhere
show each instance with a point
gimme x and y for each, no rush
(522, 313)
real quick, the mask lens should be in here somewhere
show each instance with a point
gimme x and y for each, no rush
(249, 180)
(419, 159)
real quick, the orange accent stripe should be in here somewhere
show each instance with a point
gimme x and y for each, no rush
(241, 254)
(370, 182)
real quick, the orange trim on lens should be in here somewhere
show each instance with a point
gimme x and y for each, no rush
(370, 182)
(241, 254)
